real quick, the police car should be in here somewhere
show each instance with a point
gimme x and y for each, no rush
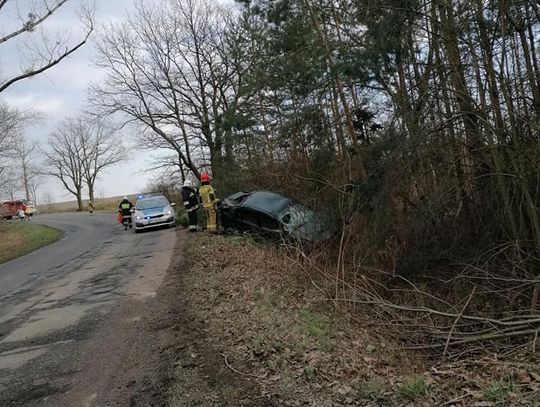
(151, 211)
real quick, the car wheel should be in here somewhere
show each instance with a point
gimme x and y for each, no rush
(136, 230)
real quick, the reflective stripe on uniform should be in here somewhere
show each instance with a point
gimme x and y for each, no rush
(207, 195)
(211, 220)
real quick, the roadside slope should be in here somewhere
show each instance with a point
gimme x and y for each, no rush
(259, 337)
(256, 332)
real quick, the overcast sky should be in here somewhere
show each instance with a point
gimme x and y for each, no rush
(61, 91)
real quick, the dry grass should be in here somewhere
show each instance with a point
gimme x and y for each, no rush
(262, 317)
(101, 205)
(259, 311)
(22, 238)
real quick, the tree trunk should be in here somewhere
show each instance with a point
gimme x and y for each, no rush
(91, 191)
(268, 150)
(457, 75)
(216, 161)
(26, 179)
(340, 90)
(80, 205)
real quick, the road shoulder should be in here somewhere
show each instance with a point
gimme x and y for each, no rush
(256, 335)
(132, 363)
(257, 330)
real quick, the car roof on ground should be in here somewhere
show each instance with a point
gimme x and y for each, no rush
(267, 201)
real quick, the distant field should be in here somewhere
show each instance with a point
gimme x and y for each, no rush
(104, 204)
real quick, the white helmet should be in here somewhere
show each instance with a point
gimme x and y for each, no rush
(125, 197)
(187, 183)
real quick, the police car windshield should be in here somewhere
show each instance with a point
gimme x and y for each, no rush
(149, 203)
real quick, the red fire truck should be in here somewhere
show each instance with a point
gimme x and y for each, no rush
(9, 209)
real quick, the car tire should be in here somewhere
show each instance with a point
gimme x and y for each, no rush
(136, 230)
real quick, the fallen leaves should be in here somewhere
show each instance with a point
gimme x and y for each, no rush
(264, 317)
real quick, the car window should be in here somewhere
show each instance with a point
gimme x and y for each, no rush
(249, 216)
(154, 202)
(238, 199)
(295, 216)
(267, 222)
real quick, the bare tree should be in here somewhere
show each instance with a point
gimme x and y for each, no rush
(100, 150)
(79, 151)
(25, 153)
(35, 182)
(63, 159)
(48, 198)
(12, 122)
(42, 50)
(10, 183)
(101, 192)
(168, 73)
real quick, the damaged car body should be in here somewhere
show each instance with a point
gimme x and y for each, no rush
(273, 215)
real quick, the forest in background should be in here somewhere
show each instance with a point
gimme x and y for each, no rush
(412, 125)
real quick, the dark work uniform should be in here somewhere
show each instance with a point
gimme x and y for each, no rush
(125, 208)
(191, 203)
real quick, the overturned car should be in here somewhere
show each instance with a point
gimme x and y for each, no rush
(272, 215)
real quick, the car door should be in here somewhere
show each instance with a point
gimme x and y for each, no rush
(259, 222)
(247, 219)
(269, 226)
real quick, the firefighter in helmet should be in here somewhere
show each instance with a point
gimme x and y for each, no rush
(209, 202)
(191, 203)
(125, 209)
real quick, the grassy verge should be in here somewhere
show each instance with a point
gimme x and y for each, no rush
(264, 322)
(21, 238)
(258, 319)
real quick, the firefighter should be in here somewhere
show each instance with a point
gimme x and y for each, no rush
(191, 203)
(209, 202)
(21, 214)
(125, 209)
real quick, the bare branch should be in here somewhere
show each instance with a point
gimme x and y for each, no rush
(33, 21)
(51, 52)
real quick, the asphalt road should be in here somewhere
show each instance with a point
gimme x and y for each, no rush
(60, 307)
(83, 234)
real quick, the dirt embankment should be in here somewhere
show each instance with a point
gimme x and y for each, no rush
(258, 336)
(251, 332)
(234, 324)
